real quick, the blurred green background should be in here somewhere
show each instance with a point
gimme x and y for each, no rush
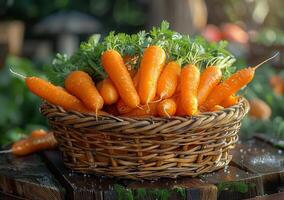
(32, 32)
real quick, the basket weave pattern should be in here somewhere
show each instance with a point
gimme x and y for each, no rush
(146, 148)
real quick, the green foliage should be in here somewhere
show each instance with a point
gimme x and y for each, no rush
(18, 107)
(238, 186)
(178, 47)
(124, 193)
(181, 191)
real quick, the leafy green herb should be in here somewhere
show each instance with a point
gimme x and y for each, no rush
(178, 47)
(238, 186)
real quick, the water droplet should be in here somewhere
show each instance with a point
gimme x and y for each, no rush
(241, 150)
(249, 150)
(237, 175)
(280, 151)
(262, 150)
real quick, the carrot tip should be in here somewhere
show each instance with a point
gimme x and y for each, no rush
(140, 107)
(157, 101)
(6, 151)
(268, 59)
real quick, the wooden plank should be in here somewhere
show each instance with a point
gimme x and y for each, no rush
(235, 183)
(275, 196)
(261, 158)
(79, 186)
(28, 177)
(272, 141)
(92, 187)
(8, 196)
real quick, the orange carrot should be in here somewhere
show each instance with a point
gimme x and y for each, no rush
(189, 81)
(151, 66)
(168, 80)
(259, 109)
(114, 66)
(231, 85)
(167, 108)
(217, 108)
(120, 105)
(230, 101)
(145, 110)
(34, 144)
(54, 94)
(81, 85)
(108, 91)
(38, 133)
(209, 78)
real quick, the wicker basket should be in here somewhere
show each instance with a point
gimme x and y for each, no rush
(146, 148)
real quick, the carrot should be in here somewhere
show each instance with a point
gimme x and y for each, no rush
(54, 94)
(167, 82)
(189, 81)
(231, 85)
(145, 110)
(167, 108)
(33, 144)
(38, 133)
(277, 84)
(230, 101)
(120, 105)
(259, 109)
(217, 108)
(152, 63)
(108, 91)
(209, 78)
(81, 85)
(114, 66)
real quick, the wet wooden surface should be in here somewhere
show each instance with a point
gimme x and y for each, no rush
(257, 171)
(28, 177)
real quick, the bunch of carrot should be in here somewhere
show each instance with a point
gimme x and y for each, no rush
(156, 88)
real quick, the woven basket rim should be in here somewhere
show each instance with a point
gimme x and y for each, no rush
(242, 103)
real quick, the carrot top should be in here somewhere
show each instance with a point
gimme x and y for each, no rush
(180, 48)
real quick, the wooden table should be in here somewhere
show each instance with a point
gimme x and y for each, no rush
(256, 172)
